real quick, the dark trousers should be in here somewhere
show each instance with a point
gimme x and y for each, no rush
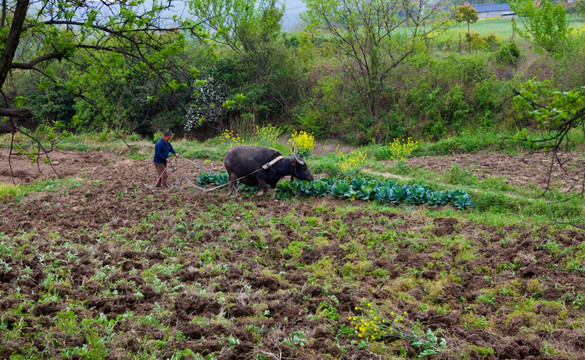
(162, 176)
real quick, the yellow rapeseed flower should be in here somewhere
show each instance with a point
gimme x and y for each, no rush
(402, 149)
(351, 163)
(303, 142)
(228, 137)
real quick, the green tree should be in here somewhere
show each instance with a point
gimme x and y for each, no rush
(544, 22)
(580, 7)
(373, 37)
(256, 76)
(33, 37)
(556, 114)
(129, 94)
(468, 14)
(243, 25)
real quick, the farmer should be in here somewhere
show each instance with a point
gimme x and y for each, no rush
(161, 157)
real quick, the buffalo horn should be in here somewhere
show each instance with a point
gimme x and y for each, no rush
(299, 160)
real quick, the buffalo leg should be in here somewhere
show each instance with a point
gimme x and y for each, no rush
(232, 185)
(273, 190)
(262, 185)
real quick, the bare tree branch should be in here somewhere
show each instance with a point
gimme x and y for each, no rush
(15, 127)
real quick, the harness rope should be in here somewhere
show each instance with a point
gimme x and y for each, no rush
(266, 166)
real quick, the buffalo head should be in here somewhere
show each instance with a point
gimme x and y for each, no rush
(299, 168)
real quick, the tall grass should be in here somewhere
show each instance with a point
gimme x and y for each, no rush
(9, 192)
(468, 142)
(472, 141)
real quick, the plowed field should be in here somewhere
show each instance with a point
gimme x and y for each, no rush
(103, 266)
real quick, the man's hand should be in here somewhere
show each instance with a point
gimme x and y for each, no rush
(176, 154)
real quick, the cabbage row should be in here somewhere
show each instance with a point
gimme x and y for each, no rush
(208, 178)
(359, 188)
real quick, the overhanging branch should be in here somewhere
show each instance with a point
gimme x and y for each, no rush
(30, 65)
(20, 113)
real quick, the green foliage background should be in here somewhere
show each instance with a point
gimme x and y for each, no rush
(262, 75)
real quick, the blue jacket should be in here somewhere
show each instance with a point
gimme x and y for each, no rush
(161, 151)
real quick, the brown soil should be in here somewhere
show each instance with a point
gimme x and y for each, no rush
(529, 169)
(100, 241)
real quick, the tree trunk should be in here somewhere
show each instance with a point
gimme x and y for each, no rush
(468, 39)
(3, 19)
(13, 39)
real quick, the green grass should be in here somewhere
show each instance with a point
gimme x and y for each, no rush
(502, 27)
(498, 26)
(471, 141)
(9, 192)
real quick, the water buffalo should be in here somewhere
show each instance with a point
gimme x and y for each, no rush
(258, 165)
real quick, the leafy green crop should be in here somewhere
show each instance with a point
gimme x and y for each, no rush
(397, 194)
(417, 195)
(342, 190)
(207, 178)
(360, 188)
(438, 198)
(460, 199)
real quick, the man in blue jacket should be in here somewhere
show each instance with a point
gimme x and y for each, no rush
(161, 157)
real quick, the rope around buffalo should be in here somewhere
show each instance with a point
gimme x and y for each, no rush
(185, 178)
(171, 165)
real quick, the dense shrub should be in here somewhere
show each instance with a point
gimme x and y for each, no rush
(247, 90)
(507, 54)
(455, 108)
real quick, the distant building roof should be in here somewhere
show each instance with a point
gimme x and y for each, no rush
(491, 7)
